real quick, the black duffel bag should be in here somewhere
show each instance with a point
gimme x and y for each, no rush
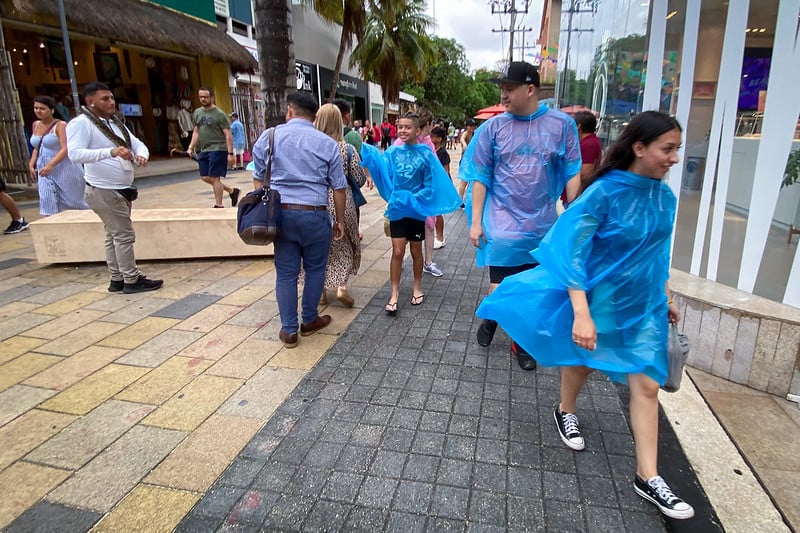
(259, 215)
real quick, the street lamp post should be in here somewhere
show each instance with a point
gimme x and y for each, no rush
(68, 53)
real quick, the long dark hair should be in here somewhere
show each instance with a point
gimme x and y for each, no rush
(50, 102)
(644, 128)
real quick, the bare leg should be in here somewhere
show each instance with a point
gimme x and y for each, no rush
(396, 267)
(10, 205)
(218, 186)
(462, 189)
(429, 231)
(644, 421)
(440, 227)
(572, 380)
(416, 257)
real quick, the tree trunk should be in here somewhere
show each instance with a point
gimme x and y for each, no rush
(13, 146)
(338, 68)
(275, 56)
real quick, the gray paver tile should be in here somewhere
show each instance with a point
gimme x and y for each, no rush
(19, 399)
(450, 502)
(413, 497)
(326, 516)
(186, 307)
(487, 508)
(365, 519)
(218, 501)
(160, 348)
(47, 516)
(400, 522)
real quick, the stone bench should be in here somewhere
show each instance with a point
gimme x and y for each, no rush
(739, 336)
(78, 236)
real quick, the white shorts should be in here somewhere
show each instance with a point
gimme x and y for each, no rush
(238, 151)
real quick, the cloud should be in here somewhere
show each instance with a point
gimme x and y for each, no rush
(470, 22)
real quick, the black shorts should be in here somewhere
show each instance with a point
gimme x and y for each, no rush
(2, 185)
(498, 274)
(410, 229)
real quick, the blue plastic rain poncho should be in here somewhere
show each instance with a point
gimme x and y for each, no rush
(525, 163)
(613, 242)
(411, 180)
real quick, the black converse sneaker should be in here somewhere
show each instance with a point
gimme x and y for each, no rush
(658, 492)
(568, 429)
(486, 332)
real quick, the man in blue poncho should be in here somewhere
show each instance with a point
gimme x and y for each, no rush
(517, 165)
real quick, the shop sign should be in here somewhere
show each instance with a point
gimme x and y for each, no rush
(221, 8)
(304, 74)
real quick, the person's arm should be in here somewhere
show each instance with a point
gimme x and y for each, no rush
(584, 332)
(34, 155)
(462, 141)
(78, 137)
(673, 312)
(229, 143)
(193, 142)
(573, 187)
(140, 150)
(339, 199)
(61, 133)
(478, 199)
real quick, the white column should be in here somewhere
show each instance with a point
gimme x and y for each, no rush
(720, 148)
(780, 119)
(655, 56)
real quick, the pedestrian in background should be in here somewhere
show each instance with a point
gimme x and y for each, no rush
(237, 136)
(600, 299)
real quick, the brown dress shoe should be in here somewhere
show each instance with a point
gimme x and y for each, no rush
(343, 295)
(319, 323)
(288, 339)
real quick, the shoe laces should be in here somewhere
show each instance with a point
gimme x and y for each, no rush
(570, 421)
(662, 489)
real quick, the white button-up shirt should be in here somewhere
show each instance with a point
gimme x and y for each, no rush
(86, 145)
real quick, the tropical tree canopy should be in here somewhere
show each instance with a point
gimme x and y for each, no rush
(352, 16)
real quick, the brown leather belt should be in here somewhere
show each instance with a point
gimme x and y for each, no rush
(299, 207)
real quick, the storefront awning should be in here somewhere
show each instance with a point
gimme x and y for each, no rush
(132, 22)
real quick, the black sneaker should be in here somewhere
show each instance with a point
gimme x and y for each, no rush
(568, 429)
(524, 359)
(234, 196)
(486, 332)
(656, 491)
(116, 286)
(16, 226)
(142, 285)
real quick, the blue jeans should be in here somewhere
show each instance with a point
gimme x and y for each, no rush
(304, 236)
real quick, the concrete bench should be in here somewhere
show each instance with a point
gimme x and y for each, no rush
(739, 336)
(78, 236)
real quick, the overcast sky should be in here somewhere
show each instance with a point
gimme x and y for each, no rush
(470, 22)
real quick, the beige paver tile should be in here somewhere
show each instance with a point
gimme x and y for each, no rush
(81, 339)
(370, 278)
(139, 333)
(62, 283)
(147, 509)
(263, 393)
(70, 303)
(309, 350)
(73, 369)
(16, 346)
(183, 288)
(160, 384)
(22, 485)
(113, 301)
(90, 392)
(29, 431)
(223, 286)
(16, 308)
(20, 398)
(111, 475)
(23, 367)
(223, 270)
(22, 323)
(209, 318)
(782, 486)
(138, 309)
(195, 402)
(12, 283)
(246, 359)
(89, 435)
(255, 270)
(342, 316)
(257, 314)
(269, 331)
(206, 452)
(160, 348)
(64, 324)
(247, 295)
(218, 343)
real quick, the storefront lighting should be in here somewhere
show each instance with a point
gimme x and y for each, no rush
(13, 49)
(671, 14)
(21, 64)
(75, 63)
(41, 44)
(762, 30)
(24, 50)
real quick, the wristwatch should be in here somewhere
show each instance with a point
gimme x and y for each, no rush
(230, 153)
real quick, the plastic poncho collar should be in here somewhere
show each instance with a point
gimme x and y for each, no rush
(524, 162)
(613, 242)
(411, 180)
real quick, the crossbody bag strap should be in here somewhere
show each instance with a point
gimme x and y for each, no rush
(270, 150)
(41, 140)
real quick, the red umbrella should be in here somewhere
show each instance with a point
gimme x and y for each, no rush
(484, 116)
(493, 110)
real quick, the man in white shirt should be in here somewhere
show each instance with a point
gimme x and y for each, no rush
(109, 151)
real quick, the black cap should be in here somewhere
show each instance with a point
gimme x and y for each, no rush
(235, 115)
(470, 122)
(519, 72)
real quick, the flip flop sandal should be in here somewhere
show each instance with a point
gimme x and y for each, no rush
(417, 300)
(391, 309)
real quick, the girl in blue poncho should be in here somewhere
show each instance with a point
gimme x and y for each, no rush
(600, 299)
(415, 186)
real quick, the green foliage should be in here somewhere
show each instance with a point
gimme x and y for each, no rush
(792, 173)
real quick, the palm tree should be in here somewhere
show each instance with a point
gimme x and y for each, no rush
(352, 16)
(395, 42)
(275, 55)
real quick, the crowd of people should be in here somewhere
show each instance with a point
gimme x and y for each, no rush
(586, 290)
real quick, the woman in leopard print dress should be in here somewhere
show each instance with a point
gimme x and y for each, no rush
(344, 258)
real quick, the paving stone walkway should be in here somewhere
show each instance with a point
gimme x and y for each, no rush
(406, 424)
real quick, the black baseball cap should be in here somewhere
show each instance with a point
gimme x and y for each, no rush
(520, 73)
(470, 122)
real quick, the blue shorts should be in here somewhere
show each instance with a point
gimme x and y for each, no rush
(213, 164)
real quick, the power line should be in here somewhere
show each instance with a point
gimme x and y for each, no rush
(508, 7)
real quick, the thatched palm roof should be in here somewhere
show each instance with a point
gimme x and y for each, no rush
(135, 22)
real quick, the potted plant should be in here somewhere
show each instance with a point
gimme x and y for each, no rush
(791, 176)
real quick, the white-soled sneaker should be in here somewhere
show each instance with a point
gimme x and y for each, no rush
(568, 429)
(438, 244)
(656, 491)
(432, 269)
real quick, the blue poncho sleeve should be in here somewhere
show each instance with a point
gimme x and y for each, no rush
(477, 162)
(411, 180)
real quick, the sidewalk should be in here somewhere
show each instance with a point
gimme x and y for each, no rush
(180, 407)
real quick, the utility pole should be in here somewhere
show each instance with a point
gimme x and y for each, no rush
(508, 7)
(575, 7)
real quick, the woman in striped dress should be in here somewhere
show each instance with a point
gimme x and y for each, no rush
(60, 181)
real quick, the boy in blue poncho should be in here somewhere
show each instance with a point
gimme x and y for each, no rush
(517, 165)
(599, 299)
(415, 186)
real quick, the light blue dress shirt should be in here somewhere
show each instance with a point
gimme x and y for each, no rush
(305, 163)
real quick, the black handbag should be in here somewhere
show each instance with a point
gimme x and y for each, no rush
(259, 214)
